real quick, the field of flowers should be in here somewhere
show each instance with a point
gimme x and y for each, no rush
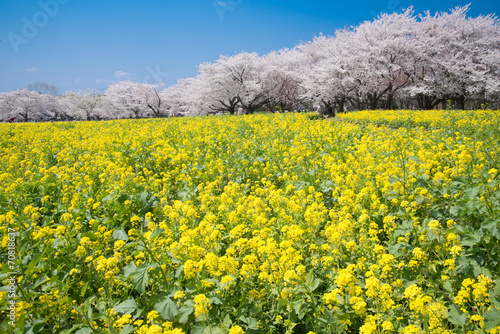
(382, 222)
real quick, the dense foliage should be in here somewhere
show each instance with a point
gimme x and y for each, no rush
(253, 224)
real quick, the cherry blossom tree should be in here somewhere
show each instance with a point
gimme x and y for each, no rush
(188, 97)
(153, 97)
(396, 60)
(282, 77)
(379, 61)
(326, 76)
(137, 99)
(235, 81)
(86, 105)
(399, 57)
(25, 105)
(459, 58)
(214, 83)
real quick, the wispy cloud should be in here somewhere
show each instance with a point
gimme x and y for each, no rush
(32, 70)
(121, 74)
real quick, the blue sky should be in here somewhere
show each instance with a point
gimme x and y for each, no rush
(79, 44)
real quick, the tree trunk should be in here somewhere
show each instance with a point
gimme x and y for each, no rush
(341, 104)
(373, 102)
(390, 101)
(329, 109)
(460, 102)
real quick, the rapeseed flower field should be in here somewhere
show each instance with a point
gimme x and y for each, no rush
(380, 222)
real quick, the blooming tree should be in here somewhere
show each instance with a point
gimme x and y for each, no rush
(236, 81)
(459, 58)
(282, 77)
(86, 105)
(397, 60)
(137, 99)
(27, 106)
(189, 97)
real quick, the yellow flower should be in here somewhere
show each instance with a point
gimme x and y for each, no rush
(411, 329)
(123, 320)
(236, 330)
(434, 225)
(179, 294)
(370, 325)
(387, 326)
(358, 304)
(201, 305)
(152, 315)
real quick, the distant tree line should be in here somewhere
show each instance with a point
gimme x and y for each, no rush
(399, 60)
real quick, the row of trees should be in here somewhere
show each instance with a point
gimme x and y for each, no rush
(122, 100)
(399, 60)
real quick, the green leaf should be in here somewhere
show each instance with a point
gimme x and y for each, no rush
(407, 282)
(454, 210)
(127, 329)
(494, 300)
(393, 179)
(456, 316)
(227, 321)
(297, 307)
(126, 307)
(396, 249)
(140, 277)
(71, 330)
(252, 323)
(200, 329)
(470, 240)
(120, 235)
(300, 184)
(184, 312)
(182, 194)
(84, 330)
(129, 269)
(33, 264)
(167, 309)
(419, 199)
(215, 301)
(325, 319)
(492, 228)
(478, 270)
(448, 287)
(311, 282)
(492, 318)
(89, 311)
(84, 289)
(36, 328)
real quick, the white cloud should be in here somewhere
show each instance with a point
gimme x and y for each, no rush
(120, 74)
(32, 70)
